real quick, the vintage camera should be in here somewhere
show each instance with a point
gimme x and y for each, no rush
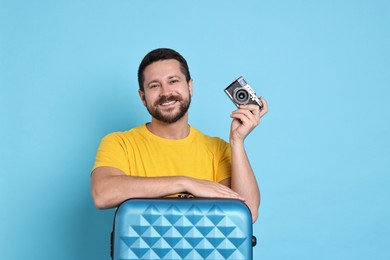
(242, 94)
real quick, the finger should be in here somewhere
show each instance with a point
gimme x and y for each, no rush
(254, 109)
(223, 188)
(236, 196)
(246, 112)
(243, 119)
(229, 191)
(251, 107)
(232, 194)
(264, 110)
(246, 117)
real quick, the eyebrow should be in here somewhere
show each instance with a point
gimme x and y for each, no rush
(168, 78)
(174, 76)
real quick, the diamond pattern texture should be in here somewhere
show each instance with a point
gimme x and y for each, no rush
(182, 229)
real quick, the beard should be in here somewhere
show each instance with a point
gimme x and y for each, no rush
(168, 116)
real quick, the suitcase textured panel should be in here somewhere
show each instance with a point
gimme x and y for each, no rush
(182, 229)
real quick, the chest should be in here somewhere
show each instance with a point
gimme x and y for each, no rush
(191, 160)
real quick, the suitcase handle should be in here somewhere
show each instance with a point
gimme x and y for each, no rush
(112, 245)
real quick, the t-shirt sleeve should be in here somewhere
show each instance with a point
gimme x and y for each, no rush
(224, 169)
(112, 152)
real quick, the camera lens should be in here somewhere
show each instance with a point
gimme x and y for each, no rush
(241, 96)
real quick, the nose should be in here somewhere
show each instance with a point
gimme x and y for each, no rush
(166, 90)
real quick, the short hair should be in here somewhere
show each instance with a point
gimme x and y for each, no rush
(158, 55)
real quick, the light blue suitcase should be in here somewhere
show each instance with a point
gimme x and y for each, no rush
(177, 228)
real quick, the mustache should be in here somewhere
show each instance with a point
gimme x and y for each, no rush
(167, 98)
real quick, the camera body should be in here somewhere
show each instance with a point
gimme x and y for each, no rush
(241, 93)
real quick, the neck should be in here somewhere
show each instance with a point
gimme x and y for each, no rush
(174, 131)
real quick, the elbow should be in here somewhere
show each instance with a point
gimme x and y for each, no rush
(255, 215)
(254, 209)
(103, 197)
(99, 199)
(99, 204)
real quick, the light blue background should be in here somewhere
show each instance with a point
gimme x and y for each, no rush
(321, 155)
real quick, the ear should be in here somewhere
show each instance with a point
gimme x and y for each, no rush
(191, 87)
(142, 96)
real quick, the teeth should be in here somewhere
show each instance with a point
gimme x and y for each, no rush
(168, 103)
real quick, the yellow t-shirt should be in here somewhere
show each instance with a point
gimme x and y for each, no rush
(138, 152)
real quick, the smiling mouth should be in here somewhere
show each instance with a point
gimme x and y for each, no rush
(168, 103)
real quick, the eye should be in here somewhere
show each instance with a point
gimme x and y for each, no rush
(173, 81)
(154, 85)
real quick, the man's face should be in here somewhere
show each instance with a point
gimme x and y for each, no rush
(167, 95)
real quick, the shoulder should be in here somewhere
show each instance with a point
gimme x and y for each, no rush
(124, 136)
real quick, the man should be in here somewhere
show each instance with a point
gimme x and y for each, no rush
(168, 156)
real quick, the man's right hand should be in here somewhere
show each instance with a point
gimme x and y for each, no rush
(210, 189)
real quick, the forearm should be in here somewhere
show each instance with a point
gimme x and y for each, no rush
(243, 179)
(110, 187)
(109, 190)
